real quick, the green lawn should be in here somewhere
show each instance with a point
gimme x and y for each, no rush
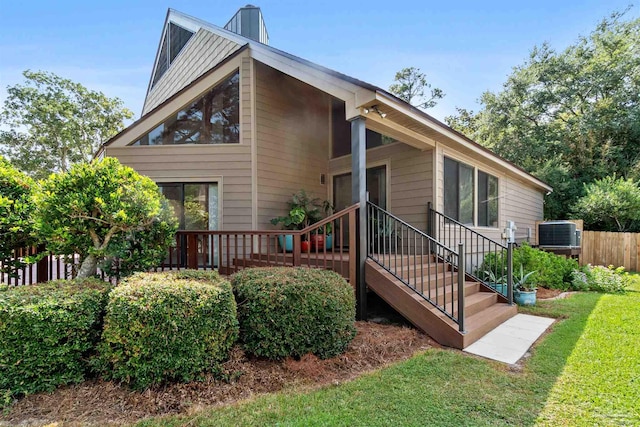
(585, 373)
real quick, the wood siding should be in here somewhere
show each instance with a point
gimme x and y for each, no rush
(200, 54)
(410, 175)
(230, 165)
(292, 131)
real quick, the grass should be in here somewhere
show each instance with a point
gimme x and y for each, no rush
(586, 372)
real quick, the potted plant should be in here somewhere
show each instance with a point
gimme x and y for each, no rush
(524, 293)
(495, 282)
(303, 212)
(292, 221)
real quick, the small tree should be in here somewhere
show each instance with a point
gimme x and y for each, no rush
(105, 211)
(16, 207)
(610, 204)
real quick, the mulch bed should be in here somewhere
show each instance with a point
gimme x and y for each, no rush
(544, 293)
(101, 402)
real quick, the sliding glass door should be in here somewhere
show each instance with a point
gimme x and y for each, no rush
(196, 207)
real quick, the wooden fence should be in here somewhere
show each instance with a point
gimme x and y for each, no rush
(609, 248)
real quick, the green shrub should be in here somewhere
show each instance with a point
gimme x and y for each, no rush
(606, 279)
(47, 334)
(167, 326)
(16, 222)
(550, 270)
(294, 311)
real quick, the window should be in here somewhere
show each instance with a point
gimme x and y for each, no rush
(214, 118)
(487, 200)
(459, 191)
(195, 205)
(175, 37)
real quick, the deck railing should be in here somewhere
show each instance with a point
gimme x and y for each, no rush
(324, 244)
(499, 274)
(429, 268)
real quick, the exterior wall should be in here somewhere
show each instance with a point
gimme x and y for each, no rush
(229, 165)
(200, 54)
(518, 201)
(292, 141)
(410, 175)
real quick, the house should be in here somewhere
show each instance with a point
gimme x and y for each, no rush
(231, 127)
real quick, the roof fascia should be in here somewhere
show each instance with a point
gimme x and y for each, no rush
(423, 118)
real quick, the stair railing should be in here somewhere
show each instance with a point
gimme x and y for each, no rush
(498, 273)
(427, 267)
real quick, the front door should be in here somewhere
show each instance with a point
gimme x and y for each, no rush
(376, 188)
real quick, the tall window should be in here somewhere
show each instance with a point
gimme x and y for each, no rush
(487, 200)
(213, 118)
(459, 190)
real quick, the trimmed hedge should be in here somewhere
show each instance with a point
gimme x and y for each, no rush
(294, 311)
(47, 334)
(167, 326)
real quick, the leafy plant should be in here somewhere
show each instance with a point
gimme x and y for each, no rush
(493, 278)
(167, 326)
(105, 211)
(16, 220)
(521, 281)
(607, 279)
(48, 332)
(293, 311)
(303, 211)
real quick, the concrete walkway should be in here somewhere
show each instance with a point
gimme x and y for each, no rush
(510, 341)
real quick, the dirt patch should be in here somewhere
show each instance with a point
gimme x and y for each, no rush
(544, 293)
(101, 402)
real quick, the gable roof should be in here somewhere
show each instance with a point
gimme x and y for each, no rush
(260, 51)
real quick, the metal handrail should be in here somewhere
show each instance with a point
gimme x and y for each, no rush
(446, 229)
(427, 267)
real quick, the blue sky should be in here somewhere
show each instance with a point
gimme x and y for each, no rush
(464, 47)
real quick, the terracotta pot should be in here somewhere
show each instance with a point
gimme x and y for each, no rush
(317, 242)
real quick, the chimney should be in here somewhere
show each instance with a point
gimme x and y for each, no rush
(248, 22)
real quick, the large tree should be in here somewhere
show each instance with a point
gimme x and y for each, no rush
(568, 117)
(411, 85)
(51, 123)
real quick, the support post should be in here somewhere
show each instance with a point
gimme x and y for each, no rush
(429, 220)
(461, 277)
(359, 195)
(510, 246)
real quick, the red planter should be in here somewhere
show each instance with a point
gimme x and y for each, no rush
(317, 242)
(305, 246)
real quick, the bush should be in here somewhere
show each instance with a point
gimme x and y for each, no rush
(16, 224)
(294, 311)
(167, 326)
(550, 270)
(606, 279)
(48, 332)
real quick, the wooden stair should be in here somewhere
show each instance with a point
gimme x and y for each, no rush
(484, 309)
